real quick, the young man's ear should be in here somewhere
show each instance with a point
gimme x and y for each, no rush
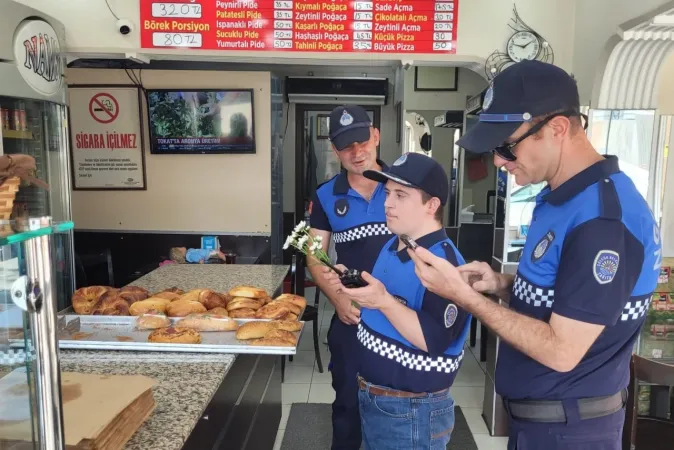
(433, 205)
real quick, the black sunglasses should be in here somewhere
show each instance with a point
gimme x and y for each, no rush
(505, 150)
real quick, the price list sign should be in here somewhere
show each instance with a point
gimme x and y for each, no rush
(391, 26)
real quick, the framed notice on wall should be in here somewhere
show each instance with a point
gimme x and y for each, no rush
(106, 135)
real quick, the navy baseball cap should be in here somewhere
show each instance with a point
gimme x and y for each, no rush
(522, 92)
(349, 124)
(417, 171)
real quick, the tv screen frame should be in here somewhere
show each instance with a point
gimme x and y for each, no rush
(153, 147)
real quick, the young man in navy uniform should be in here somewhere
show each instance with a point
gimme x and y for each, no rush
(350, 209)
(411, 340)
(584, 282)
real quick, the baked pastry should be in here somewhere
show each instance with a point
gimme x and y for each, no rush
(288, 325)
(133, 294)
(281, 334)
(211, 299)
(242, 302)
(245, 313)
(253, 330)
(173, 290)
(167, 295)
(175, 335)
(192, 295)
(291, 306)
(152, 303)
(270, 342)
(152, 320)
(273, 311)
(208, 322)
(300, 301)
(291, 316)
(219, 311)
(182, 308)
(248, 291)
(85, 298)
(111, 304)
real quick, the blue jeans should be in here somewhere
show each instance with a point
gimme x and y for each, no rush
(391, 423)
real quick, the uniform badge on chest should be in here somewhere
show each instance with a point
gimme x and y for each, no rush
(341, 207)
(451, 313)
(542, 247)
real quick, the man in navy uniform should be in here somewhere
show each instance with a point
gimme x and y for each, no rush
(350, 209)
(585, 278)
(411, 339)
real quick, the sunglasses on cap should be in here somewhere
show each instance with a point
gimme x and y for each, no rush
(505, 150)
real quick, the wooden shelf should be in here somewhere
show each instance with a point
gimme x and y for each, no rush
(13, 134)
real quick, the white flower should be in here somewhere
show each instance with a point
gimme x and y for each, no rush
(288, 243)
(303, 240)
(314, 246)
(300, 226)
(318, 239)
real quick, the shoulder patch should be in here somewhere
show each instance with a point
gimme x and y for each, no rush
(451, 313)
(605, 266)
(542, 246)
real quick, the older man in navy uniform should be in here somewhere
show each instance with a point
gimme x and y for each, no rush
(585, 279)
(350, 209)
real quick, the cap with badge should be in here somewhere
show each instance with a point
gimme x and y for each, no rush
(417, 171)
(523, 91)
(349, 124)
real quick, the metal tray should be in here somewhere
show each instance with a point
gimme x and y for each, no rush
(119, 333)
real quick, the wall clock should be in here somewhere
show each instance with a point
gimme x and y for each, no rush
(523, 44)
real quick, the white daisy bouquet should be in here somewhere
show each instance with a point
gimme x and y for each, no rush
(307, 244)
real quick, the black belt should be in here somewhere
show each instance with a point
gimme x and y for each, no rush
(552, 411)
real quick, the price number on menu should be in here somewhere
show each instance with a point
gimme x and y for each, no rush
(362, 35)
(362, 45)
(176, 39)
(442, 46)
(283, 4)
(362, 6)
(283, 25)
(439, 36)
(283, 43)
(283, 34)
(362, 26)
(362, 16)
(184, 10)
(443, 26)
(443, 17)
(284, 15)
(444, 6)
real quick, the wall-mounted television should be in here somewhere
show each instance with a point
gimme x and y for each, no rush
(206, 121)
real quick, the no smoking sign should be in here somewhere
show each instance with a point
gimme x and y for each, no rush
(103, 108)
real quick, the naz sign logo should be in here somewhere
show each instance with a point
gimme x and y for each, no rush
(43, 56)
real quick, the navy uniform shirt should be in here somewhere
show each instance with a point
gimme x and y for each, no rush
(593, 255)
(387, 358)
(358, 227)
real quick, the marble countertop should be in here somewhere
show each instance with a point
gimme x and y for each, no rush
(185, 385)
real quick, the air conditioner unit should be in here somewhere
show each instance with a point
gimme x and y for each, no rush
(360, 91)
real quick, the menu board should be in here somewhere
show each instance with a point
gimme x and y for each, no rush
(326, 26)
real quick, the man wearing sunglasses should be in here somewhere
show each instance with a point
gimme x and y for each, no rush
(583, 286)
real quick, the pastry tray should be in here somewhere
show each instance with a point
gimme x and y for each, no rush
(120, 333)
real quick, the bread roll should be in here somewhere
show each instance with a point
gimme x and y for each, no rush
(167, 295)
(291, 306)
(173, 290)
(288, 325)
(253, 330)
(85, 298)
(111, 304)
(272, 311)
(277, 333)
(175, 335)
(241, 302)
(245, 313)
(150, 304)
(152, 320)
(270, 342)
(211, 299)
(294, 299)
(182, 308)
(248, 291)
(219, 311)
(208, 322)
(133, 294)
(291, 316)
(192, 295)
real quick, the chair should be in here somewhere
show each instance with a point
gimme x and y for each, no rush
(645, 432)
(310, 312)
(82, 262)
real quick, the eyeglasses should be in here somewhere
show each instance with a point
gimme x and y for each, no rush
(505, 150)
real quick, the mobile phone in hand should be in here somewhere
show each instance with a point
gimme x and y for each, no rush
(408, 241)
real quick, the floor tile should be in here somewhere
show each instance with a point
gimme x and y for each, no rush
(285, 412)
(321, 393)
(321, 378)
(475, 421)
(307, 340)
(279, 439)
(294, 393)
(486, 442)
(467, 396)
(302, 358)
(470, 373)
(295, 374)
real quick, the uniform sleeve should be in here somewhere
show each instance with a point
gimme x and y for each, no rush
(318, 219)
(441, 320)
(598, 269)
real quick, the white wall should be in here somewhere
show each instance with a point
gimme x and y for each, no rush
(469, 83)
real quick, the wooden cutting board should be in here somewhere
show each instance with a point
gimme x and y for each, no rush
(99, 411)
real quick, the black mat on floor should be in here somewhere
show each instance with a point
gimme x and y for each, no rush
(309, 427)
